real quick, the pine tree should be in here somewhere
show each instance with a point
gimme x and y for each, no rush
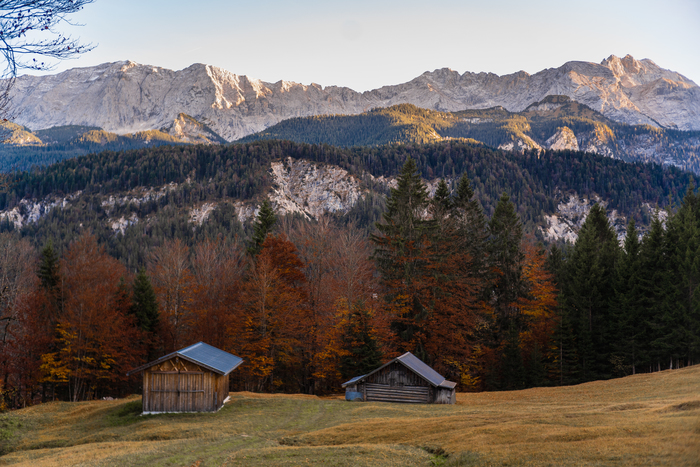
(264, 223)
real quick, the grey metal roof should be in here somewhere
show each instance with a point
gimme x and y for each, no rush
(356, 378)
(421, 369)
(202, 354)
(417, 366)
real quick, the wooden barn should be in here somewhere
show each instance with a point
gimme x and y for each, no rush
(404, 379)
(194, 379)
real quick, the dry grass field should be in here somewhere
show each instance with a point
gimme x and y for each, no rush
(639, 420)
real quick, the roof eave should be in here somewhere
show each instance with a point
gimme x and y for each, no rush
(398, 359)
(184, 357)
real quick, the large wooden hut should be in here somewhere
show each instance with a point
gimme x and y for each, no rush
(194, 379)
(404, 379)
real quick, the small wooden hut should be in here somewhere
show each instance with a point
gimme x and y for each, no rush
(194, 379)
(404, 379)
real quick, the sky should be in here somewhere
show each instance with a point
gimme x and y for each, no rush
(368, 44)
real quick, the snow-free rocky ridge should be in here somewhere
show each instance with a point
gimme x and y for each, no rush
(125, 97)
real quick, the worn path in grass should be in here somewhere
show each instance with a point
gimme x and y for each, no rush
(639, 420)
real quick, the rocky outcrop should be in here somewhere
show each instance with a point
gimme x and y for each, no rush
(124, 97)
(189, 130)
(523, 143)
(312, 189)
(573, 210)
(563, 139)
(572, 213)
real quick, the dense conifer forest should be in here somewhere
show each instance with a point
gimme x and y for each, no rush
(459, 279)
(536, 182)
(494, 127)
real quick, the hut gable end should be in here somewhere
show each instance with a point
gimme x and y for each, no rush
(193, 379)
(177, 365)
(396, 374)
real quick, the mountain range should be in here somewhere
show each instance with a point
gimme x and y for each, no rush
(128, 98)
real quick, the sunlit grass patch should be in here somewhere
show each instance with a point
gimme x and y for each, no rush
(637, 421)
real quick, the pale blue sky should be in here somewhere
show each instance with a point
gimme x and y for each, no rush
(367, 44)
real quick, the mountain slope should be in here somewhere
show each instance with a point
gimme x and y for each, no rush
(556, 122)
(22, 149)
(124, 97)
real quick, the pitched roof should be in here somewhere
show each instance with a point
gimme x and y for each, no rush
(417, 366)
(201, 354)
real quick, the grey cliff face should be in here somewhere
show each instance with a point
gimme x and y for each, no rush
(124, 97)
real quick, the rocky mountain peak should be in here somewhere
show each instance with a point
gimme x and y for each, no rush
(125, 97)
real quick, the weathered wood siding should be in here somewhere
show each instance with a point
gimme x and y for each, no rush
(396, 375)
(177, 385)
(396, 383)
(445, 396)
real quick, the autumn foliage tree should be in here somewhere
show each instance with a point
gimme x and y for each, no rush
(95, 333)
(217, 269)
(271, 324)
(174, 284)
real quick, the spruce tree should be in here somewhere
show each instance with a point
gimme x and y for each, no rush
(565, 366)
(472, 227)
(655, 285)
(358, 339)
(264, 222)
(50, 275)
(628, 327)
(589, 293)
(402, 255)
(144, 303)
(679, 339)
(506, 256)
(513, 371)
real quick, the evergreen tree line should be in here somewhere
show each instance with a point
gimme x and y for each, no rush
(475, 297)
(632, 308)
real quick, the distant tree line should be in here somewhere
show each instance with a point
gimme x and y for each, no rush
(225, 174)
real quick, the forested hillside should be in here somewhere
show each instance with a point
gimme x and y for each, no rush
(497, 127)
(97, 190)
(21, 149)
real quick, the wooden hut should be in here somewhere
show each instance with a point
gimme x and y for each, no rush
(404, 379)
(194, 379)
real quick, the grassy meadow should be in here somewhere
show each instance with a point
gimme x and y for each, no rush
(649, 419)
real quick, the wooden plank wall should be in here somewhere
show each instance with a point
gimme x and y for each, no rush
(407, 394)
(180, 386)
(397, 375)
(445, 396)
(396, 383)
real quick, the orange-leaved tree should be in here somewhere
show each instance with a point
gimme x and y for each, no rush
(95, 335)
(271, 325)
